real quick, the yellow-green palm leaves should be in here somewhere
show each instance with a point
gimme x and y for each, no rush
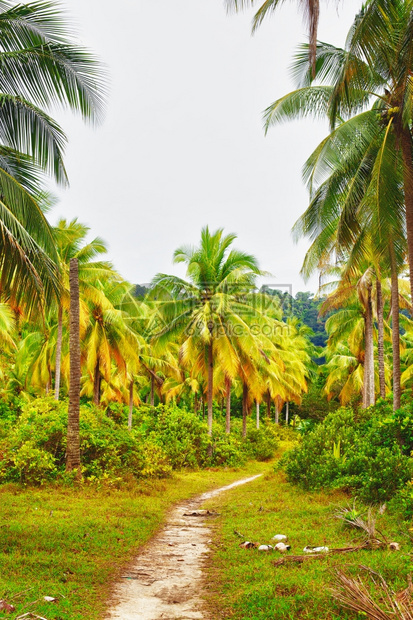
(206, 314)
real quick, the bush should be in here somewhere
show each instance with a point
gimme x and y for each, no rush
(28, 465)
(226, 449)
(262, 443)
(403, 501)
(366, 452)
(181, 434)
(164, 438)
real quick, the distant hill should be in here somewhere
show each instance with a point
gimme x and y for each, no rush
(140, 291)
(306, 308)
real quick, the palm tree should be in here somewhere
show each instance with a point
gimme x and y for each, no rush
(203, 314)
(70, 243)
(73, 442)
(311, 10)
(41, 67)
(108, 339)
(375, 65)
(355, 176)
(356, 214)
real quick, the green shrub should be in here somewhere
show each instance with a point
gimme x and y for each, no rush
(164, 438)
(181, 434)
(360, 451)
(156, 463)
(262, 443)
(28, 465)
(227, 449)
(403, 501)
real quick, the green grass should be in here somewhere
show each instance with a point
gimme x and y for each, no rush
(71, 543)
(245, 584)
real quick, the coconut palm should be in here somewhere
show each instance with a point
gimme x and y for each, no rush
(376, 65)
(357, 214)
(108, 339)
(205, 313)
(311, 10)
(355, 178)
(357, 291)
(41, 67)
(70, 239)
(73, 441)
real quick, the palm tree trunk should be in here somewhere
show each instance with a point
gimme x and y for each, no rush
(258, 414)
(364, 388)
(369, 388)
(244, 409)
(277, 412)
(395, 328)
(130, 405)
(58, 353)
(268, 405)
(210, 385)
(228, 405)
(287, 413)
(73, 442)
(96, 384)
(380, 340)
(406, 145)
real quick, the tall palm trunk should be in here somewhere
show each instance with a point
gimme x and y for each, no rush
(406, 146)
(244, 409)
(73, 442)
(380, 339)
(287, 413)
(277, 412)
(210, 388)
(395, 328)
(257, 405)
(368, 383)
(130, 405)
(268, 405)
(58, 353)
(96, 384)
(228, 405)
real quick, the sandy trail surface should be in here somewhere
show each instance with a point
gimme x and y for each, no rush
(165, 581)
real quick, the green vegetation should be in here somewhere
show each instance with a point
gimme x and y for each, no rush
(72, 542)
(366, 452)
(165, 438)
(244, 583)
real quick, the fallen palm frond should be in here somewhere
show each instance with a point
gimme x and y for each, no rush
(351, 517)
(312, 556)
(354, 594)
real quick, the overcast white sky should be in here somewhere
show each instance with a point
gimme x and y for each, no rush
(182, 145)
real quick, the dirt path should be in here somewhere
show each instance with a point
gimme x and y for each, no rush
(165, 581)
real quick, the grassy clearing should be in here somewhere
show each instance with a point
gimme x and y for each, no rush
(71, 543)
(244, 583)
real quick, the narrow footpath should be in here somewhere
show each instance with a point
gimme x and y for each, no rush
(165, 582)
